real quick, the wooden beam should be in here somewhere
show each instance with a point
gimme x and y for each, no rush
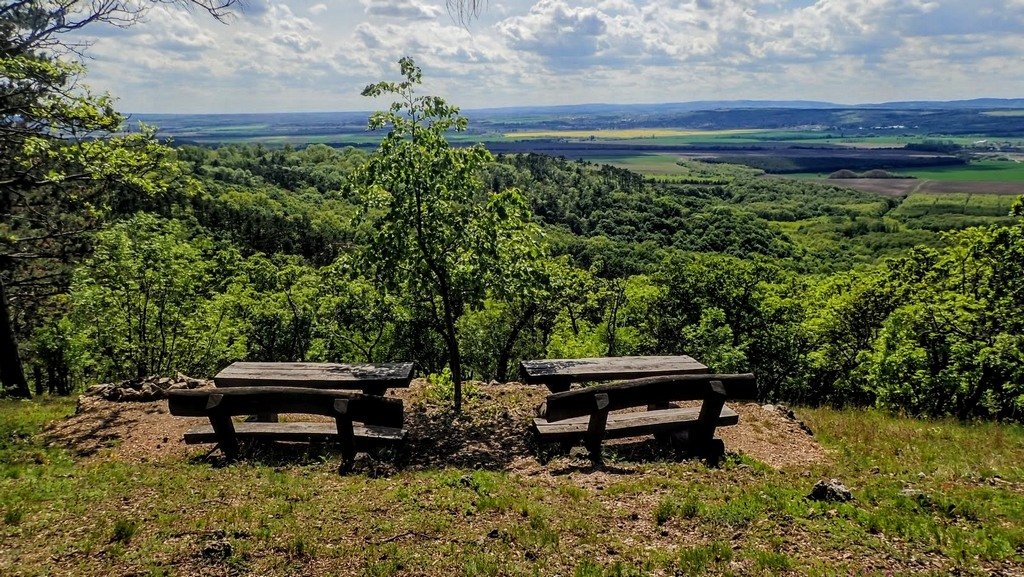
(624, 425)
(654, 390)
(558, 372)
(368, 409)
(298, 432)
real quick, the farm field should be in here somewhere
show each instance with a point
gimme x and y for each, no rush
(626, 133)
(905, 186)
(922, 204)
(1011, 171)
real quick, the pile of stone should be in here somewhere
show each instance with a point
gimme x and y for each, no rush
(145, 389)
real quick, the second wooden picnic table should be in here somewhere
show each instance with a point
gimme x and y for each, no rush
(559, 374)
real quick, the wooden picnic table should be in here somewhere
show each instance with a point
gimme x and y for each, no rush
(559, 374)
(372, 379)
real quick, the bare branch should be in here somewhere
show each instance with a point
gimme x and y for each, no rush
(463, 11)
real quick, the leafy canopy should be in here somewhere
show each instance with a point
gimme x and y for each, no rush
(436, 234)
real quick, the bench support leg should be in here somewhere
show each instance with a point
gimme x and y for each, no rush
(223, 428)
(346, 435)
(702, 437)
(596, 427)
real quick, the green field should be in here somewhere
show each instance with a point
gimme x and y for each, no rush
(982, 170)
(651, 164)
(918, 205)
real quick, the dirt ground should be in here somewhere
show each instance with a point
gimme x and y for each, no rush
(492, 433)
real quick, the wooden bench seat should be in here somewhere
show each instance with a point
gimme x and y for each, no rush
(623, 425)
(585, 414)
(299, 432)
(359, 419)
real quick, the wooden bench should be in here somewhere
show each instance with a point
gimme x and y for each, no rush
(559, 374)
(371, 379)
(360, 420)
(584, 414)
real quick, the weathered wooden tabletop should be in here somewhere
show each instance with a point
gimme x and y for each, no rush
(372, 379)
(559, 374)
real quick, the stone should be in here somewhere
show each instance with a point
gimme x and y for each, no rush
(101, 391)
(830, 491)
(151, 392)
(217, 550)
(129, 395)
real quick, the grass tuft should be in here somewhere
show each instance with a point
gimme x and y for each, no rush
(124, 530)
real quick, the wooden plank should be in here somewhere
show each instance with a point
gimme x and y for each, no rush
(377, 376)
(621, 425)
(605, 369)
(297, 432)
(640, 392)
(256, 400)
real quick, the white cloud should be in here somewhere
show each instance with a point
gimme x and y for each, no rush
(412, 9)
(317, 54)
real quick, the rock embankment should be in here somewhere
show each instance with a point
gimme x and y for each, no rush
(145, 389)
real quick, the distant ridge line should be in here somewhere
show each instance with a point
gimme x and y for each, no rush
(691, 106)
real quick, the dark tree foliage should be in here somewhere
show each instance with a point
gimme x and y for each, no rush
(592, 201)
(61, 170)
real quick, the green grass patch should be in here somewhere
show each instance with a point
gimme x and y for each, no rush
(938, 490)
(934, 205)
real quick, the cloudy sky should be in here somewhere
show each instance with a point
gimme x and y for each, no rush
(316, 55)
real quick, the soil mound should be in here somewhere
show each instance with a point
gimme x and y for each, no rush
(492, 433)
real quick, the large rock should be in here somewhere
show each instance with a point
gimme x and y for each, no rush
(831, 491)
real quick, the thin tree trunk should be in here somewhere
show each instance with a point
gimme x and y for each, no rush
(505, 354)
(12, 374)
(451, 338)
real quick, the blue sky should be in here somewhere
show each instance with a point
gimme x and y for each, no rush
(316, 55)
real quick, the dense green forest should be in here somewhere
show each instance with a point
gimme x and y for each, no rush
(122, 257)
(267, 254)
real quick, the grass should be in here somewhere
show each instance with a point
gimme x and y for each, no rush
(931, 204)
(940, 491)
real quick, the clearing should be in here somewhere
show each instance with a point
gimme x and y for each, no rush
(112, 490)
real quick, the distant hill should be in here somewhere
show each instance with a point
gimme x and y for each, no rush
(339, 128)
